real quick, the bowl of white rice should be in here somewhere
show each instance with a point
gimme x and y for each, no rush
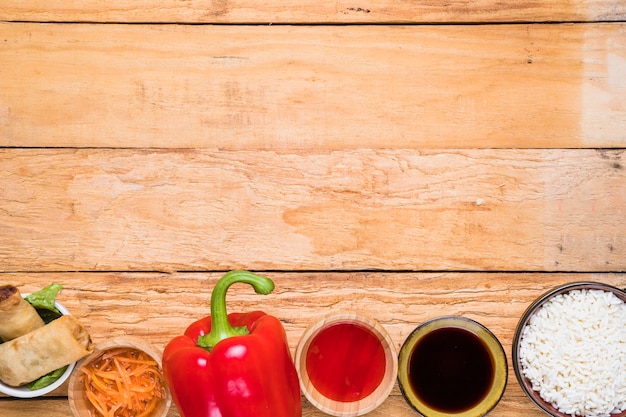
(569, 351)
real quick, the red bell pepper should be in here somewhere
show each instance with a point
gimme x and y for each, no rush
(235, 365)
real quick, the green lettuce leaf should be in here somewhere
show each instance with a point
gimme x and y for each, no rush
(46, 380)
(43, 301)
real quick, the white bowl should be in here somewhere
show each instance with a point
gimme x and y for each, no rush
(23, 391)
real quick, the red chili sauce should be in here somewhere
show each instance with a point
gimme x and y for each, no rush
(345, 362)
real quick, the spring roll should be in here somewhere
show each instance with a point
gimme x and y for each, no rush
(17, 316)
(41, 351)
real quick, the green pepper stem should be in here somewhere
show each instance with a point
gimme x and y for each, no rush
(220, 327)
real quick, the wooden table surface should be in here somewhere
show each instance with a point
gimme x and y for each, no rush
(398, 159)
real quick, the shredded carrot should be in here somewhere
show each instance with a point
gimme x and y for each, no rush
(123, 382)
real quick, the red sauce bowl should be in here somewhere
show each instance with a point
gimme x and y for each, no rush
(347, 365)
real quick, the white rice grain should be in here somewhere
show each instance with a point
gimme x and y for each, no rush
(573, 352)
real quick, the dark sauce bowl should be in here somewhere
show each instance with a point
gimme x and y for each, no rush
(517, 339)
(467, 353)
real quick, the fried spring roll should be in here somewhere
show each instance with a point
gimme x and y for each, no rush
(17, 316)
(41, 351)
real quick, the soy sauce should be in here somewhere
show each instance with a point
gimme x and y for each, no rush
(450, 369)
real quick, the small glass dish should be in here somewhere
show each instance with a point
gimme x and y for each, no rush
(80, 405)
(347, 364)
(452, 366)
(524, 382)
(24, 391)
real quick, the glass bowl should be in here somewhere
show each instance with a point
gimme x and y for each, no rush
(524, 382)
(80, 405)
(452, 366)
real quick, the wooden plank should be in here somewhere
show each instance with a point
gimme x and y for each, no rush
(313, 87)
(312, 11)
(394, 405)
(115, 209)
(110, 304)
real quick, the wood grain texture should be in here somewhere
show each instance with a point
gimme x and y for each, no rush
(313, 87)
(312, 11)
(157, 307)
(396, 159)
(394, 405)
(542, 210)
